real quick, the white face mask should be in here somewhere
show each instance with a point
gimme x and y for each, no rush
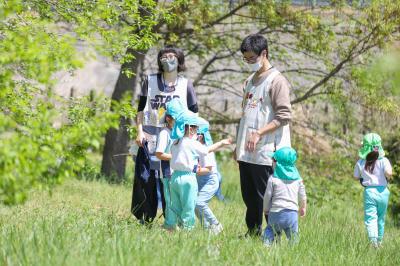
(256, 66)
(193, 133)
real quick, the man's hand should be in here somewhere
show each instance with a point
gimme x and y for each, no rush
(302, 212)
(139, 138)
(234, 155)
(253, 140)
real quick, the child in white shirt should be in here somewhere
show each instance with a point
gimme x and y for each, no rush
(185, 152)
(372, 170)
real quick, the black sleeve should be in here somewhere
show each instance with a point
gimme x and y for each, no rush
(144, 88)
(194, 108)
(142, 103)
(143, 95)
(191, 98)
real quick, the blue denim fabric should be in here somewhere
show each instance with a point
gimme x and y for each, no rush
(219, 194)
(285, 220)
(208, 186)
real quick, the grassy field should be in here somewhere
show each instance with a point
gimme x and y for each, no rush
(88, 223)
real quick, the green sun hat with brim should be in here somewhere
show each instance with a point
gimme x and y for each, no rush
(370, 142)
(285, 167)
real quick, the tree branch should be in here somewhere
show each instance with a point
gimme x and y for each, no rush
(353, 53)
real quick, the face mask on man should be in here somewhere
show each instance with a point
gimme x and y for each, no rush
(170, 64)
(256, 66)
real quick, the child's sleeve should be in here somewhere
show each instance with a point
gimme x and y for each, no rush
(357, 171)
(162, 141)
(207, 160)
(200, 149)
(302, 194)
(268, 196)
(387, 166)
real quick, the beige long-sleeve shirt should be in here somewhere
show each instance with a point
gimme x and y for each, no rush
(279, 94)
(280, 100)
(284, 194)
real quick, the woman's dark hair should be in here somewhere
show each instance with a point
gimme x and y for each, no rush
(370, 161)
(178, 53)
(255, 43)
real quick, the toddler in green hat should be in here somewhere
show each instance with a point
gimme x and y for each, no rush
(372, 169)
(285, 189)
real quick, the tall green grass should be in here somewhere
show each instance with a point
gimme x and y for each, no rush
(88, 223)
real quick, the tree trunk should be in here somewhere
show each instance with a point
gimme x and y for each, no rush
(116, 141)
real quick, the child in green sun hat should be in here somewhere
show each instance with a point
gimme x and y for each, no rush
(285, 189)
(372, 169)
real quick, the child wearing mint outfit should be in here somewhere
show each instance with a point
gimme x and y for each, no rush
(174, 109)
(285, 189)
(185, 152)
(372, 169)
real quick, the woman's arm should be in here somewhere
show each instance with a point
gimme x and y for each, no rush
(139, 116)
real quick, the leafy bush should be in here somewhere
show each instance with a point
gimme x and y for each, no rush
(44, 138)
(38, 148)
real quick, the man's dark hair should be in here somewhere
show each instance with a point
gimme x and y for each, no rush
(255, 43)
(178, 53)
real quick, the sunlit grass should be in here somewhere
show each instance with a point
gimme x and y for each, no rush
(88, 223)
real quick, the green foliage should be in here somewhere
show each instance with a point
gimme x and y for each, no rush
(113, 27)
(45, 138)
(42, 145)
(378, 84)
(126, 110)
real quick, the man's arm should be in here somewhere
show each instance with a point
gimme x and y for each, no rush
(302, 199)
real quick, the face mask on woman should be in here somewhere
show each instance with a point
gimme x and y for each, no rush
(170, 64)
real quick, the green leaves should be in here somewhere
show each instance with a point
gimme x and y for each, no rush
(45, 138)
(377, 85)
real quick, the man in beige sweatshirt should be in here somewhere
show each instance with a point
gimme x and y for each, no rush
(263, 128)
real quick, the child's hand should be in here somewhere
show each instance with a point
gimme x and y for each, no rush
(302, 212)
(225, 142)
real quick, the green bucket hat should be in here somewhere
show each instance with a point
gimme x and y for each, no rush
(286, 164)
(370, 142)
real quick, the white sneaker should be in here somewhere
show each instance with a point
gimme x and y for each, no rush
(215, 229)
